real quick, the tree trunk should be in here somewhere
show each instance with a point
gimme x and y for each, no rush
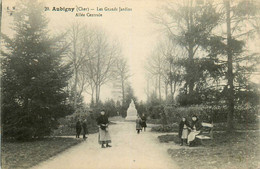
(123, 92)
(97, 94)
(171, 91)
(75, 89)
(190, 69)
(174, 90)
(98, 78)
(230, 76)
(148, 90)
(99, 88)
(156, 87)
(92, 94)
(159, 87)
(166, 90)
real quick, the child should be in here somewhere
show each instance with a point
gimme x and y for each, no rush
(78, 128)
(138, 124)
(143, 123)
(183, 130)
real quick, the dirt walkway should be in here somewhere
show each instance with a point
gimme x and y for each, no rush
(129, 151)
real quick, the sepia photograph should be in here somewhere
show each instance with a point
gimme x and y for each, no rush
(130, 84)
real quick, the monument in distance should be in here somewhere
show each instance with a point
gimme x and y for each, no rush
(131, 112)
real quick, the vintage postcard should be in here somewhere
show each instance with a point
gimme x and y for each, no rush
(130, 84)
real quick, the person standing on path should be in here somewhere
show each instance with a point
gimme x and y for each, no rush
(138, 124)
(183, 130)
(143, 124)
(104, 136)
(78, 128)
(85, 129)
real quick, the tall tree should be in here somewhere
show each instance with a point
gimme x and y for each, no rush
(101, 63)
(122, 74)
(172, 69)
(231, 61)
(237, 15)
(155, 66)
(188, 24)
(33, 76)
(80, 39)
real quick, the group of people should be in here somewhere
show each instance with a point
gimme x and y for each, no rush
(189, 131)
(79, 126)
(140, 123)
(103, 137)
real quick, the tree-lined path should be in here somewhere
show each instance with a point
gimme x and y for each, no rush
(129, 151)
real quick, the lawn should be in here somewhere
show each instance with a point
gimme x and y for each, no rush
(27, 154)
(239, 150)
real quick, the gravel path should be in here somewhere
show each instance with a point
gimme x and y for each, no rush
(129, 151)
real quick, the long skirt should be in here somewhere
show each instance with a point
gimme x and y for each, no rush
(184, 134)
(138, 126)
(192, 135)
(104, 136)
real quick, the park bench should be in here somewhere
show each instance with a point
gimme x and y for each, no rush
(207, 132)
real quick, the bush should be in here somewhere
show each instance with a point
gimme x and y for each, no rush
(247, 113)
(154, 121)
(175, 114)
(68, 124)
(155, 111)
(166, 128)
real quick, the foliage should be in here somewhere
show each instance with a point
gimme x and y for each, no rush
(141, 108)
(67, 125)
(110, 108)
(216, 67)
(166, 128)
(155, 112)
(33, 77)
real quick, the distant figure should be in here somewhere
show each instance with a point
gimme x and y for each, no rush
(104, 136)
(143, 124)
(183, 130)
(85, 129)
(78, 128)
(195, 130)
(138, 124)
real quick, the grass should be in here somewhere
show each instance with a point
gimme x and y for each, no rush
(24, 155)
(225, 151)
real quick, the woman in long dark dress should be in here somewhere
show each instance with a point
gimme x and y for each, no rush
(104, 136)
(143, 123)
(85, 129)
(183, 130)
(195, 130)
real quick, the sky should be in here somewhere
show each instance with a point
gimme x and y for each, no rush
(135, 31)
